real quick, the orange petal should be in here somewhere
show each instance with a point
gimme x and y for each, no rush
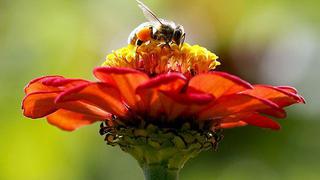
(253, 119)
(235, 117)
(101, 95)
(166, 82)
(219, 83)
(288, 89)
(238, 103)
(182, 104)
(277, 95)
(69, 121)
(36, 85)
(261, 121)
(292, 90)
(170, 99)
(39, 104)
(170, 108)
(51, 83)
(189, 98)
(150, 93)
(232, 125)
(84, 108)
(126, 80)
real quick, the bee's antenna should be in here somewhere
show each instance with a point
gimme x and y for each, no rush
(148, 13)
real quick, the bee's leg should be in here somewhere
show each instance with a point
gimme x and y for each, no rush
(167, 44)
(151, 32)
(162, 45)
(183, 38)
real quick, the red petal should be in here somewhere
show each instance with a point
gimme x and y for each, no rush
(39, 104)
(179, 104)
(232, 124)
(102, 95)
(170, 108)
(189, 98)
(126, 80)
(262, 121)
(288, 89)
(36, 85)
(238, 103)
(151, 96)
(164, 95)
(219, 83)
(84, 108)
(235, 117)
(277, 95)
(292, 90)
(63, 83)
(69, 121)
(51, 83)
(170, 81)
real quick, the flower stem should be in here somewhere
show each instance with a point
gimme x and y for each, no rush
(160, 172)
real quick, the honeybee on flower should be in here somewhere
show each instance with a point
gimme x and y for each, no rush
(159, 99)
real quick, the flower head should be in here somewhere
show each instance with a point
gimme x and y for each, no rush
(131, 96)
(155, 99)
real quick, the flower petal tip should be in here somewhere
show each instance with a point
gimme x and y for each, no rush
(262, 122)
(33, 81)
(160, 80)
(234, 79)
(39, 104)
(62, 97)
(302, 100)
(115, 70)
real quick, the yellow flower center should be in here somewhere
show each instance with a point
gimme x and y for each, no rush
(155, 58)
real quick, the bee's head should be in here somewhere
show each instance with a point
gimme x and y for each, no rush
(178, 35)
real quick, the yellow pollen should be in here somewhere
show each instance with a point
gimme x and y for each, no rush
(155, 58)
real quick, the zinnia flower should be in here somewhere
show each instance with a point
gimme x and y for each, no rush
(161, 104)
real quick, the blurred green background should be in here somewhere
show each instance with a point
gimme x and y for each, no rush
(270, 42)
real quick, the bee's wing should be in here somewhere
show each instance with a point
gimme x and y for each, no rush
(150, 16)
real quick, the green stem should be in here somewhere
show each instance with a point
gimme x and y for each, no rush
(160, 172)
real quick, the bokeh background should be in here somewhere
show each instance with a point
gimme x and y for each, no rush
(269, 42)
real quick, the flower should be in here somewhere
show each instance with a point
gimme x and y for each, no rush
(161, 104)
(159, 85)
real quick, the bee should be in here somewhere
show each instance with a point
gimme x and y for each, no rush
(162, 30)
